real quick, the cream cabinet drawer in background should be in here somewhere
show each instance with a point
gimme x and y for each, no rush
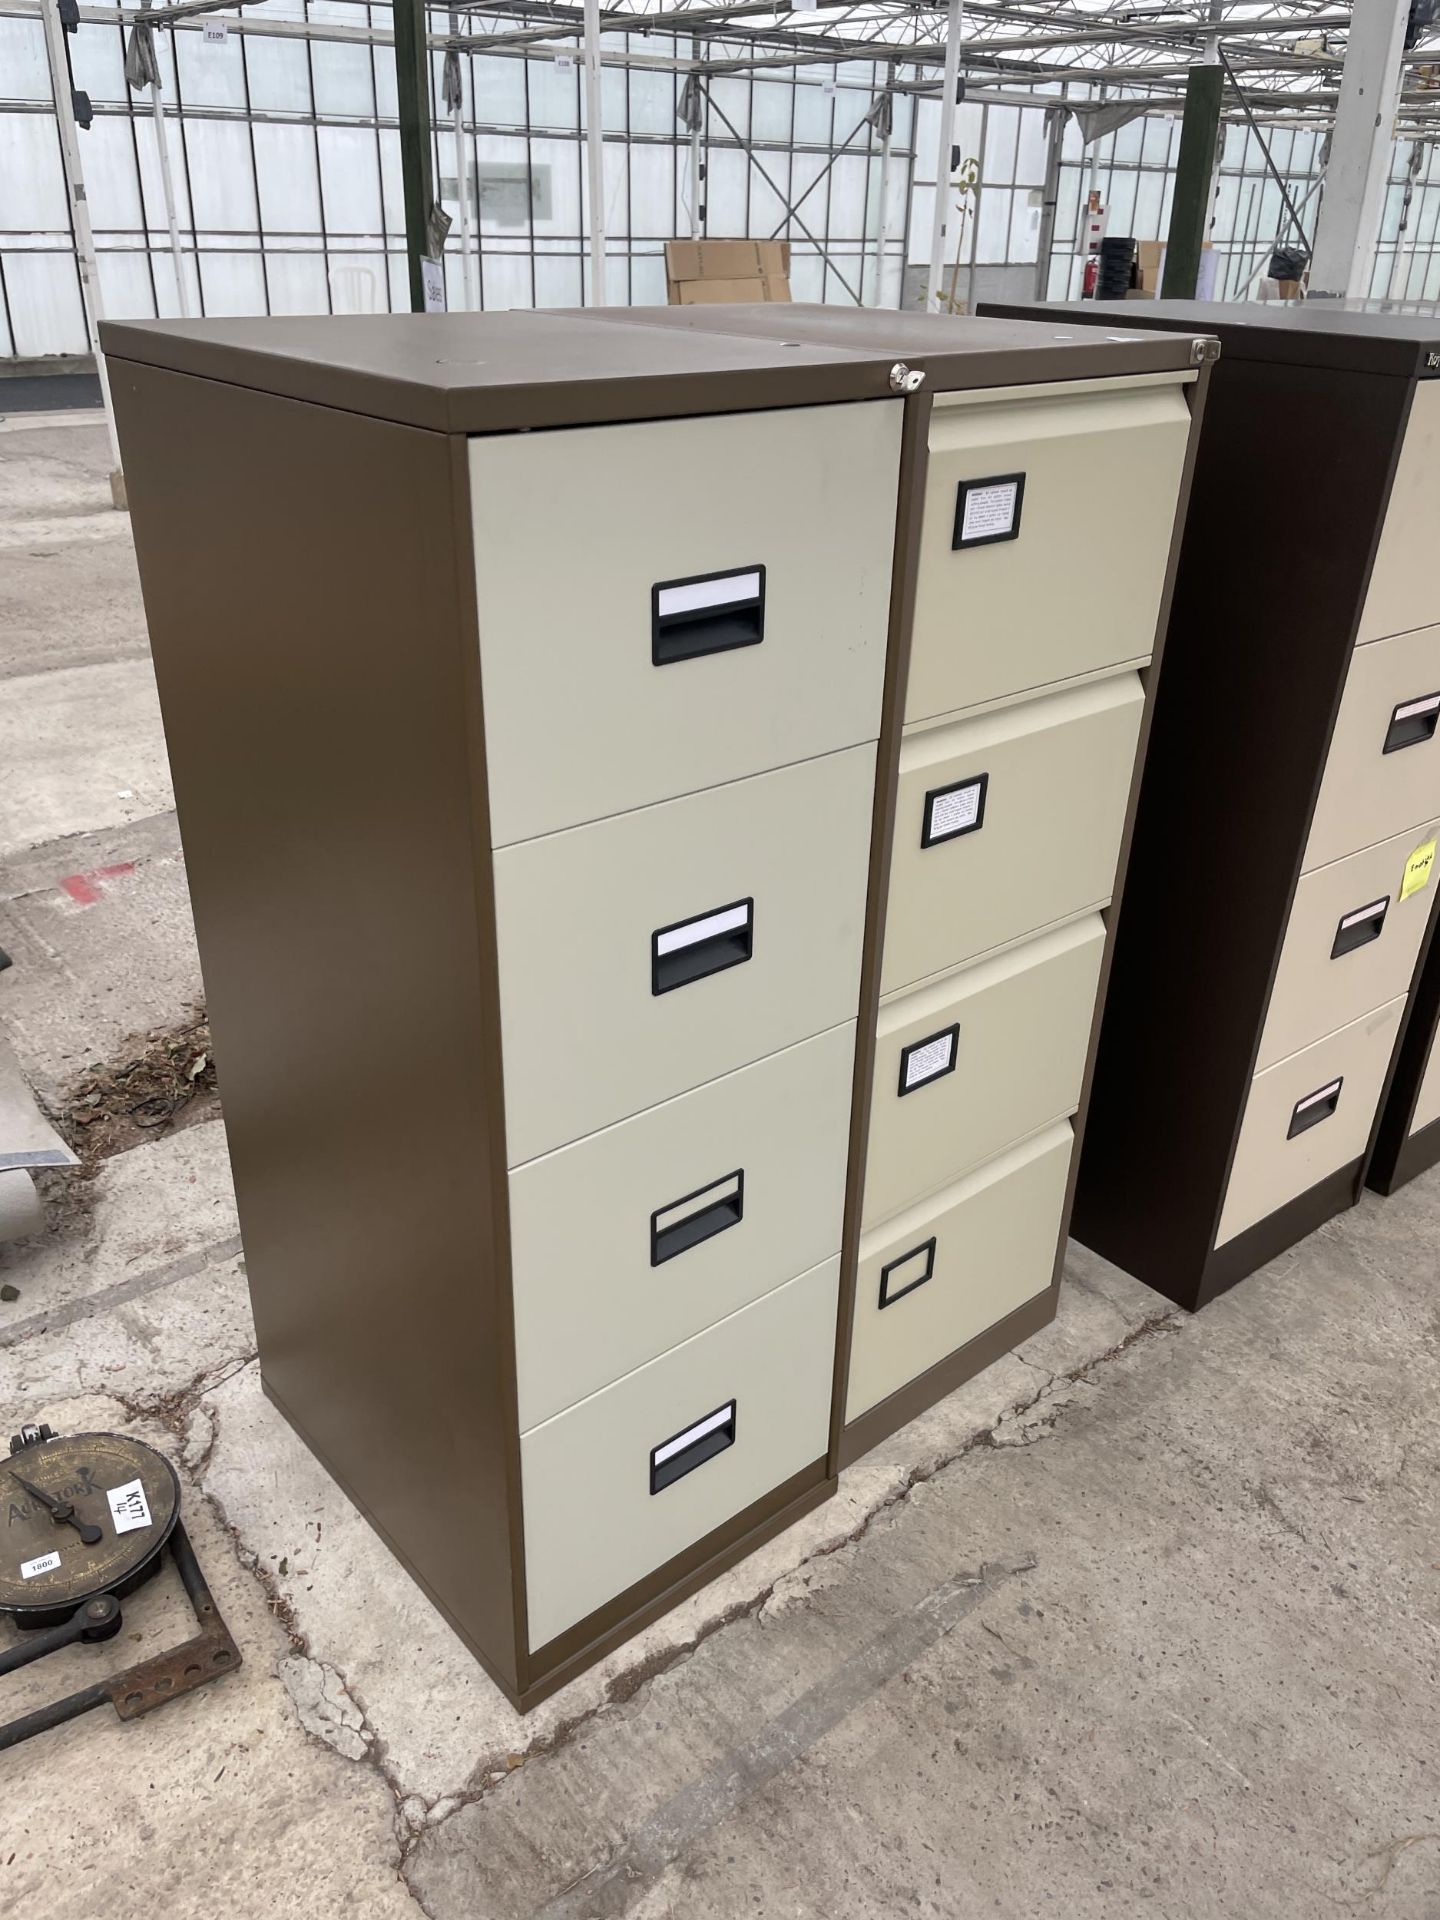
(1046, 530)
(632, 1240)
(1403, 591)
(653, 952)
(1382, 773)
(1006, 823)
(627, 1479)
(1350, 944)
(711, 600)
(978, 1059)
(945, 1271)
(1307, 1117)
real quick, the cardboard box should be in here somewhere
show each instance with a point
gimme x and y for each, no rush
(708, 272)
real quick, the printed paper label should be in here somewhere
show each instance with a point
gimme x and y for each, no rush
(432, 279)
(989, 511)
(935, 1056)
(47, 1563)
(1417, 870)
(954, 811)
(129, 1508)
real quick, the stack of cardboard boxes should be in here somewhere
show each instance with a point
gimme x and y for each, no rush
(724, 272)
(1150, 268)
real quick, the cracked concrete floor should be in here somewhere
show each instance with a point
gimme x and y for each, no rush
(1142, 1621)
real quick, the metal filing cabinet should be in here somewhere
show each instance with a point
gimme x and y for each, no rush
(1047, 527)
(1264, 1000)
(534, 689)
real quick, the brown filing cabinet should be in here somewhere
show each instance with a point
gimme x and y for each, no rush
(535, 691)
(1279, 905)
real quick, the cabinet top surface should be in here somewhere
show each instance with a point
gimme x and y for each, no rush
(493, 372)
(1364, 336)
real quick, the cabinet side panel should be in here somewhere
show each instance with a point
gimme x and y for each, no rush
(1253, 666)
(307, 614)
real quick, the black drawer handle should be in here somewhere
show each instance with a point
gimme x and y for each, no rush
(1359, 928)
(692, 1447)
(1413, 723)
(929, 1059)
(902, 1275)
(1314, 1108)
(697, 1216)
(689, 949)
(708, 613)
(954, 810)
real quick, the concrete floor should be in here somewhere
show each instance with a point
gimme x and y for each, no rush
(1144, 1621)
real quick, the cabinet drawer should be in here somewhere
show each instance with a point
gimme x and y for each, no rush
(1350, 945)
(729, 615)
(1382, 773)
(1087, 483)
(647, 954)
(1427, 1095)
(1403, 591)
(979, 1059)
(627, 1243)
(944, 1272)
(1007, 822)
(1307, 1117)
(635, 1474)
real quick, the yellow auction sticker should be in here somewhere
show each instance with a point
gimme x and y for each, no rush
(1417, 870)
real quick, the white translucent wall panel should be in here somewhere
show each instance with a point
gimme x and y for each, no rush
(112, 179)
(126, 286)
(210, 74)
(297, 282)
(222, 183)
(350, 180)
(34, 181)
(43, 294)
(279, 74)
(23, 72)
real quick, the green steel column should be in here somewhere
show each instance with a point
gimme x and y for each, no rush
(412, 81)
(1194, 171)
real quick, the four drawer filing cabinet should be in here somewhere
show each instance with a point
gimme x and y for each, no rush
(1280, 897)
(582, 882)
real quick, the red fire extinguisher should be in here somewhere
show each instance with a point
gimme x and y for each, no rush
(1092, 274)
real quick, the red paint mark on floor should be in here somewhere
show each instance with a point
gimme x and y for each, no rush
(86, 888)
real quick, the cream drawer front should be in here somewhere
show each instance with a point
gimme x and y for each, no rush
(627, 1243)
(711, 1426)
(1382, 773)
(1350, 945)
(1403, 591)
(667, 606)
(624, 976)
(1427, 1096)
(1023, 810)
(1078, 587)
(979, 1059)
(941, 1274)
(1307, 1117)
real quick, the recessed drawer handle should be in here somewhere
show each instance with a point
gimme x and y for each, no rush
(906, 1272)
(1413, 723)
(697, 1216)
(708, 613)
(683, 1452)
(1314, 1108)
(953, 810)
(689, 949)
(929, 1059)
(1359, 928)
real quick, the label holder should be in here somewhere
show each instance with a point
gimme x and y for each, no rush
(708, 1210)
(1359, 928)
(928, 1078)
(696, 616)
(683, 1452)
(906, 1283)
(706, 943)
(1315, 1107)
(959, 540)
(1412, 723)
(929, 835)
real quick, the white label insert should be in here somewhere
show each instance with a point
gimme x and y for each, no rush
(1414, 707)
(47, 1563)
(706, 929)
(691, 1434)
(934, 1056)
(699, 595)
(952, 812)
(1314, 1099)
(990, 511)
(129, 1508)
(1364, 913)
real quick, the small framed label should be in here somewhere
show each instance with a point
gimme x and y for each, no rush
(129, 1508)
(47, 1563)
(953, 810)
(988, 510)
(683, 1452)
(1359, 928)
(1314, 1108)
(690, 949)
(1412, 723)
(215, 33)
(930, 1059)
(910, 1270)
